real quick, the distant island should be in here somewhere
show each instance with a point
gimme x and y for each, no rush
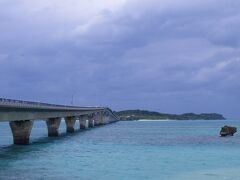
(129, 115)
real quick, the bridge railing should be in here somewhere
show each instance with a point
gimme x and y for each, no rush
(20, 103)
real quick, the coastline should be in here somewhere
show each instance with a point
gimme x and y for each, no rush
(163, 120)
(156, 120)
(151, 115)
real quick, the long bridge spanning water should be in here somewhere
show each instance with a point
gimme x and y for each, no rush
(21, 115)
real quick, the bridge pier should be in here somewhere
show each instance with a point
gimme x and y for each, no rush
(70, 122)
(21, 131)
(101, 116)
(84, 124)
(53, 126)
(83, 120)
(96, 119)
(99, 119)
(105, 118)
(91, 122)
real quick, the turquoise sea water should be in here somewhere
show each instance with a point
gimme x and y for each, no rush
(172, 150)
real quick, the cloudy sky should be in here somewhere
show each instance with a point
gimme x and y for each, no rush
(171, 56)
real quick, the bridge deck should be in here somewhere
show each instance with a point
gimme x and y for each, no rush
(12, 110)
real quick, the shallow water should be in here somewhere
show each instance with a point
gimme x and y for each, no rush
(173, 150)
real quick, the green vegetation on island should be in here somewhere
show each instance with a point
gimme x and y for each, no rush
(150, 115)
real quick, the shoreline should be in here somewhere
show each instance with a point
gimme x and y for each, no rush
(156, 120)
(144, 120)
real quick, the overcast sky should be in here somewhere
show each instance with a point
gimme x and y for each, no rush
(171, 56)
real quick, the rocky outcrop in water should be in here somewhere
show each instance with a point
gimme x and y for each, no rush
(228, 131)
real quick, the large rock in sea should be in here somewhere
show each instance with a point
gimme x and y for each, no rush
(228, 131)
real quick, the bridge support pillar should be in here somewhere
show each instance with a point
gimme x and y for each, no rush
(91, 122)
(96, 119)
(70, 122)
(21, 131)
(108, 119)
(101, 118)
(83, 124)
(53, 125)
(83, 121)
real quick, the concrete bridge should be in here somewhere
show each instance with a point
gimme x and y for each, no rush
(21, 115)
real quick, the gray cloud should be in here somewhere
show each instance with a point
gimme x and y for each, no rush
(166, 56)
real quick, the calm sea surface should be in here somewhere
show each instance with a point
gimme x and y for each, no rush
(172, 150)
